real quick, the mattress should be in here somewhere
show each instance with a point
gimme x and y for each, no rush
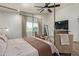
(20, 47)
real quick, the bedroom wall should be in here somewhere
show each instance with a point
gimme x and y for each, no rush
(12, 21)
(47, 19)
(44, 21)
(70, 13)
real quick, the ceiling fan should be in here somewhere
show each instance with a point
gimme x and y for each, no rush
(47, 6)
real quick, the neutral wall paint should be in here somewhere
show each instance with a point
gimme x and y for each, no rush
(12, 21)
(45, 21)
(70, 13)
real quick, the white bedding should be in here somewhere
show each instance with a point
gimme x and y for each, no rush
(19, 47)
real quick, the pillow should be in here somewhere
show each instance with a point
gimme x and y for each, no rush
(3, 46)
(3, 43)
(4, 37)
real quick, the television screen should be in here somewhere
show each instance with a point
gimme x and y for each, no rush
(61, 24)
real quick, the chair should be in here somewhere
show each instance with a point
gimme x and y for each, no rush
(63, 48)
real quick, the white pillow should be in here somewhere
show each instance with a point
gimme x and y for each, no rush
(3, 43)
(4, 37)
(3, 46)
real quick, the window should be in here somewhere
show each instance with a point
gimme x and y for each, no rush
(31, 26)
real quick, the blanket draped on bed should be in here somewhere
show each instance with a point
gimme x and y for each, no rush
(43, 48)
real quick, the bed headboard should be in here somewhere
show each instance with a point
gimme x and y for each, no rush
(4, 30)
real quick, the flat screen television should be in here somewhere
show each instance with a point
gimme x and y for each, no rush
(61, 25)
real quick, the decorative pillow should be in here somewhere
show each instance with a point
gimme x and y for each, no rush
(4, 37)
(3, 43)
(3, 46)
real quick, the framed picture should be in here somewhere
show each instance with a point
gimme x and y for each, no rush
(46, 31)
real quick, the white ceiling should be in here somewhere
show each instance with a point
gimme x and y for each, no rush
(28, 7)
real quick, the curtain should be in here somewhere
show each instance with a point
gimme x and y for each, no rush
(24, 20)
(39, 27)
(29, 25)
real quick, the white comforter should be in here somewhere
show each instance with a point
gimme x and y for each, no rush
(19, 47)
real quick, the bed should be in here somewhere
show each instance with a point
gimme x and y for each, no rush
(27, 46)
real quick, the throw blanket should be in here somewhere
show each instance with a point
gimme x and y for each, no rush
(64, 39)
(43, 48)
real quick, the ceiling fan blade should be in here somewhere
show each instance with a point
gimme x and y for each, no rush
(39, 6)
(53, 6)
(38, 9)
(42, 10)
(49, 10)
